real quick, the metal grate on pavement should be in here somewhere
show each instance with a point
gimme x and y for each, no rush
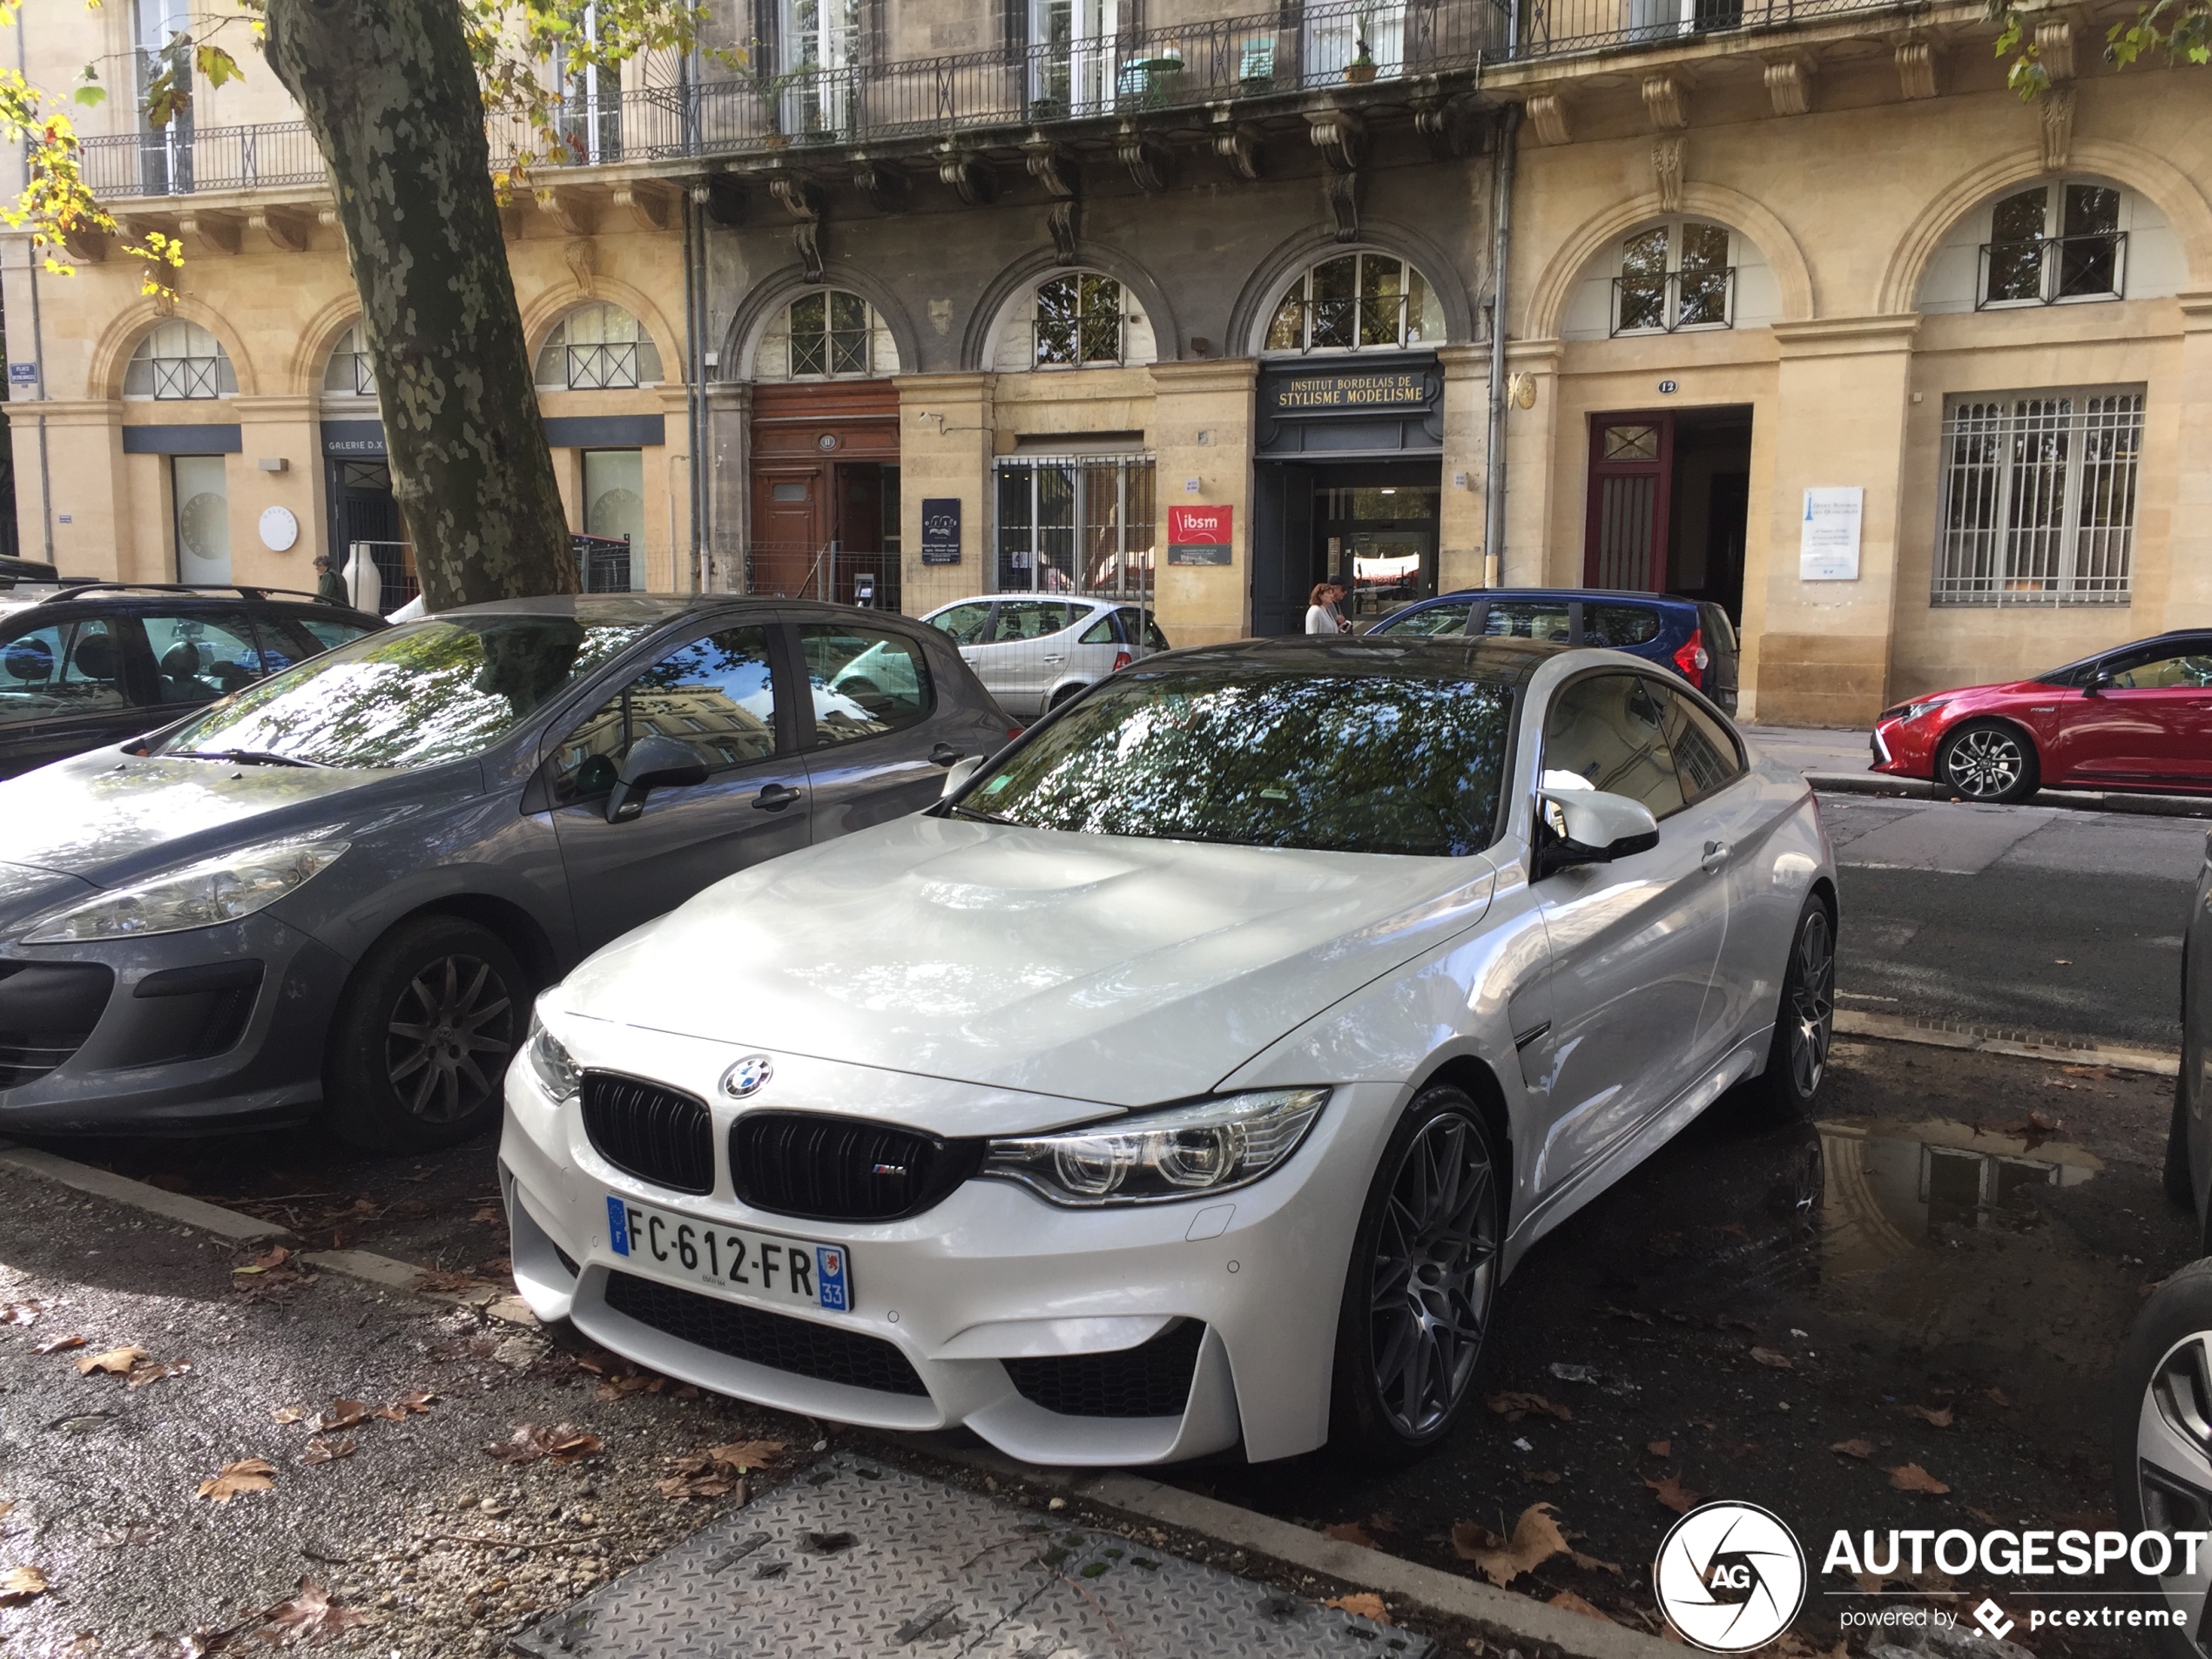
(856, 1559)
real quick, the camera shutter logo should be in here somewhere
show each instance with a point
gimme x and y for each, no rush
(748, 1077)
(1730, 1577)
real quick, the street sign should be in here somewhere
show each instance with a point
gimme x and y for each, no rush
(940, 529)
(23, 374)
(1198, 535)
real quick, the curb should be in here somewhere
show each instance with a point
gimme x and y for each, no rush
(1499, 1613)
(2078, 800)
(2019, 1043)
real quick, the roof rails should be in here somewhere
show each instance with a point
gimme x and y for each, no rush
(77, 588)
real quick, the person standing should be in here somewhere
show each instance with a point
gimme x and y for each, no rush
(329, 585)
(1322, 616)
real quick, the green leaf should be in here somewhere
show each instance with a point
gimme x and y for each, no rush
(218, 66)
(90, 96)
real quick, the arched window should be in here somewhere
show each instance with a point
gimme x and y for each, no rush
(1074, 319)
(1356, 302)
(180, 360)
(829, 334)
(1674, 276)
(2058, 241)
(597, 347)
(349, 373)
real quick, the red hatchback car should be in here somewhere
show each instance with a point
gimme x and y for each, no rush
(2137, 717)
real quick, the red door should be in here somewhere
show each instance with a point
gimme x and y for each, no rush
(1625, 534)
(2147, 720)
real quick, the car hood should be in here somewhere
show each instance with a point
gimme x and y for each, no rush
(109, 818)
(1099, 968)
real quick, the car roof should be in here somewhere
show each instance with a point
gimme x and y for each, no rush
(2172, 636)
(653, 610)
(1507, 661)
(1608, 594)
(1097, 602)
(26, 596)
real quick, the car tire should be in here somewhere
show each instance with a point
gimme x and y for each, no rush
(1988, 760)
(422, 1036)
(1428, 1245)
(2162, 1445)
(1804, 1018)
(2181, 1186)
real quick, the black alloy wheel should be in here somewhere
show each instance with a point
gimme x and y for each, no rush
(1804, 1023)
(423, 1039)
(2162, 1446)
(1987, 760)
(1423, 1277)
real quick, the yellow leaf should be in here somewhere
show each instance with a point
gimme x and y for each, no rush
(21, 1584)
(117, 1362)
(247, 1474)
(1536, 1540)
(1365, 1604)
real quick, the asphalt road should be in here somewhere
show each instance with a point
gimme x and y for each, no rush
(2029, 916)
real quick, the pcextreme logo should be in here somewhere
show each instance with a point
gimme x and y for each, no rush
(1730, 1577)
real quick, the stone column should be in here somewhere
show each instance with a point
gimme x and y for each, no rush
(1201, 429)
(1467, 417)
(112, 533)
(1538, 553)
(945, 440)
(1818, 653)
(727, 448)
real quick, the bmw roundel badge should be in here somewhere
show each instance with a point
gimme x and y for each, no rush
(748, 1077)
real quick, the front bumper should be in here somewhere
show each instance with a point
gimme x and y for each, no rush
(1904, 748)
(990, 1275)
(211, 1028)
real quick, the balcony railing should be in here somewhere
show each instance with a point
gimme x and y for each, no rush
(2049, 269)
(1293, 49)
(1654, 303)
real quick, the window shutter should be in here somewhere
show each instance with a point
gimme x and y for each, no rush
(1014, 25)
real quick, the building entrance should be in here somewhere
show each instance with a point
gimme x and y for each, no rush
(825, 492)
(1668, 502)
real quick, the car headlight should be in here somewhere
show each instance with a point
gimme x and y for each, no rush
(214, 890)
(549, 1063)
(1913, 711)
(1184, 1152)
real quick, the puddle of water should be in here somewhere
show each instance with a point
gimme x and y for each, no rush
(1893, 1188)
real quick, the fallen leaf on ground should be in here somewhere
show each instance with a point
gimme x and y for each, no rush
(326, 1451)
(1911, 1477)
(1934, 1416)
(153, 1371)
(2090, 1071)
(247, 1474)
(1669, 1491)
(433, 1278)
(1996, 1397)
(21, 1584)
(310, 1614)
(265, 1261)
(1860, 1449)
(117, 1362)
(418, 1400)
(1514, 1404)
(389, 1414)
(1365, 1605)
(1592, 1564)
(1574, 1603)
(747, 1454)
(489, 1213)
(1349, 1531)
(55, 1344)
(1772, 1360)
(340, 1413)
(287, 1413)
(21, 1312)
(1382, 1522)
(1730, 1322)
(1660, 1448)
(564, 1443)
(695, 1474)
(7, 1507)
(1983, 1516)
(1536, 1540)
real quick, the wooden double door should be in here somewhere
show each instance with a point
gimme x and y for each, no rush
(825, 491)
(1669, 498)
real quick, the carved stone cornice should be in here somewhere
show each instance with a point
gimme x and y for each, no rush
(1916, 67)
(968, 174)
(1789, 83)
(1149, 164)
(1666, 101)
(1549, 115)
(286, 231)
(1237, 143)
(1054, 166)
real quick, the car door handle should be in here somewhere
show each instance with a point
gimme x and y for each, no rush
(1715, 859)
(1055, 659)
(773, 798)
(944, 754)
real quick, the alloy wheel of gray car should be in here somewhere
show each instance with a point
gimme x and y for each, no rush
(449, 1038)
(1987, 761)
(2163, 1440)
(1425, 1272)
(420, 1045)
(1804, 1018)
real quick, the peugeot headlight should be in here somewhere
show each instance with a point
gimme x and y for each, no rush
(1184, 1152)
(214, 890)
(549, 1063)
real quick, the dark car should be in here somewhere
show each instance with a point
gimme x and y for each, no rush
(343, 885)
(1692, 636)
(89, 664)
(2136, 716)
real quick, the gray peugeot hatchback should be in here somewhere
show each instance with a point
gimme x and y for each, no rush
(341, 887)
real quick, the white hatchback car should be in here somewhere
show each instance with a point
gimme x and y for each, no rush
(1033, 652)
(1194, 1071)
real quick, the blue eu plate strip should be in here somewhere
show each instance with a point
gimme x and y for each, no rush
(617, 1227)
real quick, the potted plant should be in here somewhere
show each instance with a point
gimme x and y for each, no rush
(1361, 69)
(769, 86)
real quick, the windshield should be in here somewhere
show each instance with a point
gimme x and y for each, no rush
(1347, 763)
(411, 695)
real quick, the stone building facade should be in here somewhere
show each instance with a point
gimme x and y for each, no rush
(1806, 313)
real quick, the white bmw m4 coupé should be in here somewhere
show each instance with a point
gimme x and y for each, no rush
(1189, 1076)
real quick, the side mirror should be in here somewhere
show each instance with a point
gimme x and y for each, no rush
(1590, 826)
(957, 777)
(2100, 683)
(654, 762)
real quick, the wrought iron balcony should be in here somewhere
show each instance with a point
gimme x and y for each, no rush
(2048, 269)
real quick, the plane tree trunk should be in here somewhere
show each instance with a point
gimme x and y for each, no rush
(390, 91)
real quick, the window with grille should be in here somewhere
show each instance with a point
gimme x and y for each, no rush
(2039, 498)
(349, 373)
(1075, 524)
(829, 333)
(1355, 302)
(1675, 276)
(2052, 244)
(178, 359)
(597, 347)
(1078, 319)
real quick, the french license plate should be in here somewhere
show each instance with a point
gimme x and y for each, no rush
(760, 1266)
